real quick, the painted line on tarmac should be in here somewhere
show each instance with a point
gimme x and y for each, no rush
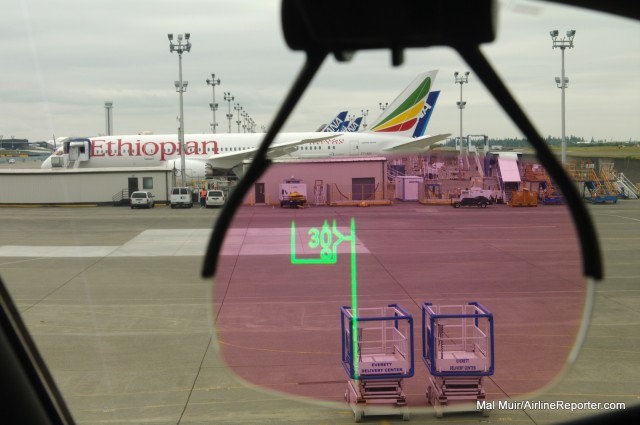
(55, 251)
(182, 243)
(21, 261)
(619, 216)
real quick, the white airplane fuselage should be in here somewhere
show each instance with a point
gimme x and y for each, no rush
(222, 151)
(394, 131)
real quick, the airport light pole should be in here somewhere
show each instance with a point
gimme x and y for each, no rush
(461, 80)
(238, 108)
(563, 82)
(229, 99)
(214, 106)
(383, 106)
(245, 116)
(108, 106)
(181, 87)
(365, 113)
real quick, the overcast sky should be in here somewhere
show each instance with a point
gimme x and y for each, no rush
(62, 59)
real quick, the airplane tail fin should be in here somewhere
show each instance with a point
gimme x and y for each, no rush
(336, 123)
(354, 125)
(425, 115)
(402, 115)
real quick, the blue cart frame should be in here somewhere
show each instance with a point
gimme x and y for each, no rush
(377, 354)
(457, 348)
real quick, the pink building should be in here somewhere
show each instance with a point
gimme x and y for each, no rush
(328, 181)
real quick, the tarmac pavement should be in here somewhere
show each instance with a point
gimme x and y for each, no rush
(132, 334)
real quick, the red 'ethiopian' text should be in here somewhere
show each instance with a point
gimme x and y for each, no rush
(138, 148)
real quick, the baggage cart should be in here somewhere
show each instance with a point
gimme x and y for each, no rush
(457, 347)
(377, 354)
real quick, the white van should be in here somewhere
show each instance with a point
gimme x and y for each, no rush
(215, 198)
(181, 197)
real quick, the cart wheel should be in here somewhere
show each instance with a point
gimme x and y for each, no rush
(358, 414)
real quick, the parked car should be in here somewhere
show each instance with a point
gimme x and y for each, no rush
(215, 198)
(475, 201)
(142, 199)
(181, 197)
(12, 161)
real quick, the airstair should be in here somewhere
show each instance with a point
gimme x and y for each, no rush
(619, 183)
(479, 165)
(627, 187)
(605, 185)
(608, 176)
(600, 189)
(552, 194)
(509, 175)
(463, 162)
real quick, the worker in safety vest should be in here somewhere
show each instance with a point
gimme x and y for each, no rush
(203, 198)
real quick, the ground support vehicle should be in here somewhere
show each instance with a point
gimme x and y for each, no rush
(475, 201)
(553, 200)
(603, 199)
(293, 200)
(293, 194)
(523, 198)
(215, 198)
(599, 194)
(181, 197)
(377, 354)
(457, 347)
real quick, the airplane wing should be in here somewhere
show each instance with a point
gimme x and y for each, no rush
(419, 143)
(275, 150)
(285, 148)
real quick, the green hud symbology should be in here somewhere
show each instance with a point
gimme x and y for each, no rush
(327, 239)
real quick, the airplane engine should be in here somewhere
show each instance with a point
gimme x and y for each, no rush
(194, 169)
